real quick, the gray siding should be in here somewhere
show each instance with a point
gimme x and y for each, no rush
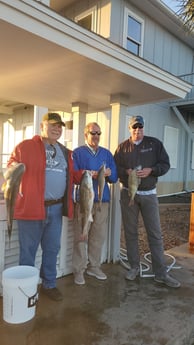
(165, 50)
(160, 47)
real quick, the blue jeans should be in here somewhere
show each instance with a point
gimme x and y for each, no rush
(46, 232)
(148, 206)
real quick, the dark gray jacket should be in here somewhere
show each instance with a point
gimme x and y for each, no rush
(150, 153)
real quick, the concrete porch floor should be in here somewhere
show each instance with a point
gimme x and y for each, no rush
(113, 312)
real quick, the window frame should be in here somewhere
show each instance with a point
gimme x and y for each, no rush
(129, 13)
(93, 12)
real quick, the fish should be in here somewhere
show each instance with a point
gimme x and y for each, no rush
(101, 184)
(10, 188)
(86, 202)
(133, 183)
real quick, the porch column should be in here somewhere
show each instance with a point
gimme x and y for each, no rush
(38, 114)
(79, 111)
(119, 104)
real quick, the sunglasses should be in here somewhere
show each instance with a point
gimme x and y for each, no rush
(95, 133)
(138, 125)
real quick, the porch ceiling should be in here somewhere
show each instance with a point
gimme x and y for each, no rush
(49, 61)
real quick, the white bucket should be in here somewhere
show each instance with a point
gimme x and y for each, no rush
(19, 293)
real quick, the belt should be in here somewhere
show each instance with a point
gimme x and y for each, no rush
(53, 202)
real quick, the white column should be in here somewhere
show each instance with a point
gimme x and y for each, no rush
(38, 114)
(79, 111)
(119, 104)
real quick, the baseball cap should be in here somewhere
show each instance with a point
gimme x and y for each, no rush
(136, 119)
(53, 118)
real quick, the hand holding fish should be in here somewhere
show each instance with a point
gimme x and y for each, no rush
(145, 172)
(107, 172)
(94, 173)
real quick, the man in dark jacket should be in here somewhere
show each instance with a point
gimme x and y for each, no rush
(147, 156)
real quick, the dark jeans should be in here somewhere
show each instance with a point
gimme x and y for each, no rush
(47, 233)
(148, 206)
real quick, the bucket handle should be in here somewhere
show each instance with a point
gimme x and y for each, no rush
(32, 300)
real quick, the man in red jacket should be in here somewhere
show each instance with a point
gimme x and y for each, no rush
(45, 196)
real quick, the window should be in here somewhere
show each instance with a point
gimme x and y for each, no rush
(88, 19)
(133, 33)
(86, 22)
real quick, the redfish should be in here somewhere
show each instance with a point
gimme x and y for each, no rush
(10, 187)
(101, 184)
(133, 183)
(86, 201)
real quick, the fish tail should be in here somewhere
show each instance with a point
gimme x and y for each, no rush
(9, 228)
(131, 202)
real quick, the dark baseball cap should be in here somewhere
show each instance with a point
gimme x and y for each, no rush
(53, 118)
(135, 120)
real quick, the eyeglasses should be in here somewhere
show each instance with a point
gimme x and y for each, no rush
(95, 133)
(137, 125)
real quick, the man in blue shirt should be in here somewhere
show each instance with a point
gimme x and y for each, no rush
(87, 251)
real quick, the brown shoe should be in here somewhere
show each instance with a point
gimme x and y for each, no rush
(52, 293)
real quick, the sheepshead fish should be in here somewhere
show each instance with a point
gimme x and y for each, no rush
(133, 183)
(101, 184)
(86, 201)
(10, 187)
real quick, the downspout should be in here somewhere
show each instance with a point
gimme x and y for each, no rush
(191, 137)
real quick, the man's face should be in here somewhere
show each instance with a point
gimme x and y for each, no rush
(137, 132)
(93, 136)
(51, 131)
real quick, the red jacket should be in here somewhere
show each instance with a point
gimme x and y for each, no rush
(30, 201)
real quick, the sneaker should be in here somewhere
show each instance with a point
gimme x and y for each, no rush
(96, 272)
(168, 280)
(132, 273)
(79, 278)
(52, 293)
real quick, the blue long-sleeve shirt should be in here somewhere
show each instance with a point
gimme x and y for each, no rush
(85, 159)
